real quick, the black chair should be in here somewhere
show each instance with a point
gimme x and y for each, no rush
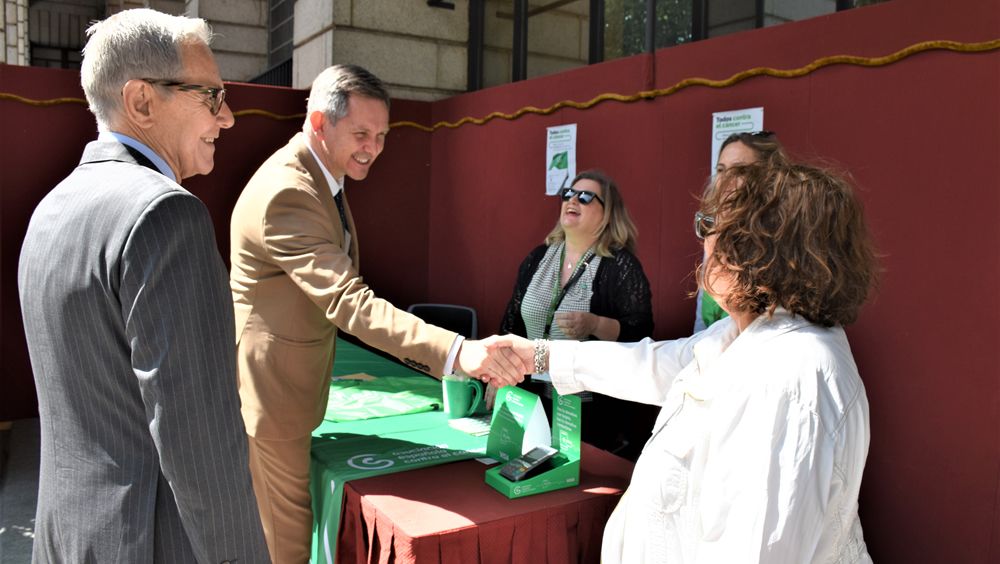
(460, 319)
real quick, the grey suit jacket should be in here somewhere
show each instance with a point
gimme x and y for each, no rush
(130, 330)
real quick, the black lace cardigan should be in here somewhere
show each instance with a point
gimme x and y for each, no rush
(621, 292)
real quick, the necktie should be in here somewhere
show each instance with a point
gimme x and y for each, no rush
(339, 198)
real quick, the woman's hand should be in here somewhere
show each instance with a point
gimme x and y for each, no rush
(580, 325)
(576, 324)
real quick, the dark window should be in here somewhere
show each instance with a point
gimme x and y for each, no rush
(279, 31)
(280, 26)
(516, 39)
(625, 25)
(55, 57)
(57, 32)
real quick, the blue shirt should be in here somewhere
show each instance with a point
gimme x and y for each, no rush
(157, 160)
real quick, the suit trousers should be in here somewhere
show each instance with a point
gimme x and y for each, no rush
(280, 471)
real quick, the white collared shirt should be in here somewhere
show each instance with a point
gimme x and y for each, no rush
(336, 185)
(758, 450)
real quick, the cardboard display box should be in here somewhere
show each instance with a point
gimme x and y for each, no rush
(518, 425)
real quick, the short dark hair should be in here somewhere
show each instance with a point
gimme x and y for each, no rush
(793, 236)
(332, 89)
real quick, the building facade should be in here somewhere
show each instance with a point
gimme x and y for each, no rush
(423, 49)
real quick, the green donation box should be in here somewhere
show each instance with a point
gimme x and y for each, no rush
(519, 424)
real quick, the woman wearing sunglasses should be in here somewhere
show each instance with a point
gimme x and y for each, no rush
(585, 283)
(760, 445)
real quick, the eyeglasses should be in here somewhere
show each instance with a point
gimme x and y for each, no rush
(762, 133)
(585, 196)
(703, 225)
(216, 96)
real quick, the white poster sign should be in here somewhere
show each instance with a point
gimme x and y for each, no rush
(560, 157)
(725, 124)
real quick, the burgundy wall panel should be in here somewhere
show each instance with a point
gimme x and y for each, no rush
(390, 208)
(927, 346)
(242, 148)
(41, 145)
(448, 216)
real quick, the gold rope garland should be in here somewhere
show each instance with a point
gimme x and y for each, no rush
(625, 99)
(265, 113)
(738, 77)
(42, 103)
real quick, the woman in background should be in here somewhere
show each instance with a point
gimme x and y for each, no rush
(585, 283)
(738, 149)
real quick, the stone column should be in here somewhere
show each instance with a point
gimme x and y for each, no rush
(112, 7)
(14, 34)
(315, 22)
(240, 35)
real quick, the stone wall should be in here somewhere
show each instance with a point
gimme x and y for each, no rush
(422, 52)
(14, 32)
(419, 51)
(240, 40)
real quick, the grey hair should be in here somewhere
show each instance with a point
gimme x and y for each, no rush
(134, 44)
(332, 89)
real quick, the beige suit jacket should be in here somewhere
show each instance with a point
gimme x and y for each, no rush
(294, 285)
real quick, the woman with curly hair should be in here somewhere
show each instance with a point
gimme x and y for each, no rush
(738, 149)
(761, 441)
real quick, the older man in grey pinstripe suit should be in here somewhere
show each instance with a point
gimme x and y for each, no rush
(129, 321)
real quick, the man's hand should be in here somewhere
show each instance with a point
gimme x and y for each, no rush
(520, 348)
(493, 362)
(523, 349)
(576, 324)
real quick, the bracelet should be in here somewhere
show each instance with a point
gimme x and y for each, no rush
(541, 356)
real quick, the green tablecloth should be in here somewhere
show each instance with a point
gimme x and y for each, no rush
(359, 400)
(343, 451)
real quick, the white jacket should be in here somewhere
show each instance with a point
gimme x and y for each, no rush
(757, 453)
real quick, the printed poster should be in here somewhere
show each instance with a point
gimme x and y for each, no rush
(560, 157)
(725, 124)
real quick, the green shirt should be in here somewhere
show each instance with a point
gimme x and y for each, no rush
(710, 310)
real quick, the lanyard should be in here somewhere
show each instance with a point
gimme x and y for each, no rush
(557, 293)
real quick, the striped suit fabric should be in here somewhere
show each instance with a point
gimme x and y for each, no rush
(129, 325)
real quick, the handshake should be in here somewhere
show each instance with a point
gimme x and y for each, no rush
(500, 360)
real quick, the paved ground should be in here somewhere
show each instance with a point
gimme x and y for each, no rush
(18, 490)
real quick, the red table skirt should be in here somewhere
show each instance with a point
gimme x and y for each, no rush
(448, 514)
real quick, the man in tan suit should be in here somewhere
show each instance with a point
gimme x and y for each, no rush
(295, 282)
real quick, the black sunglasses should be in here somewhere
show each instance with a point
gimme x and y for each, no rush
(703, 225)
(216, 96)
(585, 196)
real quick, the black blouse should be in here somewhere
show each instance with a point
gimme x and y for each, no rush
(621, 292)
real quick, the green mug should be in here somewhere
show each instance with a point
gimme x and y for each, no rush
(462, 395)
